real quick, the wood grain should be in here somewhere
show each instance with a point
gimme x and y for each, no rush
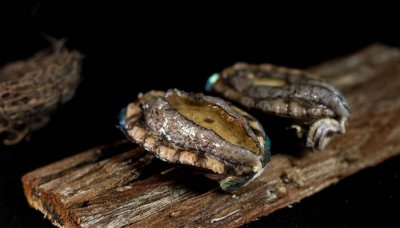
(120, 185)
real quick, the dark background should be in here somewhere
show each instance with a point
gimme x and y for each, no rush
(132, 48)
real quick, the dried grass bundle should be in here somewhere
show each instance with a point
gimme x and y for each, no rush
(31, 90)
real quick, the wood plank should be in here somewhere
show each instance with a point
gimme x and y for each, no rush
(120, 185)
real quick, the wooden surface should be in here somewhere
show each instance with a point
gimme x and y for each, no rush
(119, 185)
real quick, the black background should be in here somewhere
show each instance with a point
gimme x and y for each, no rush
(132, 48)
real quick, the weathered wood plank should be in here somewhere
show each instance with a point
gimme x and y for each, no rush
(120, 185)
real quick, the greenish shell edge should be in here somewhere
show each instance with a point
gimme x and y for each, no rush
(211, 81)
